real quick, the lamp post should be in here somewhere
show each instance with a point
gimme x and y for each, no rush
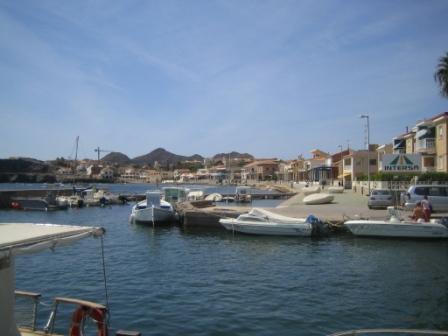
(366, 116)
(341, 164)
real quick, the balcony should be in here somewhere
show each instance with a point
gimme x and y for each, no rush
(427, 145)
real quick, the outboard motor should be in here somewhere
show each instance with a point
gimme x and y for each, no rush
(444, 221)
(319, 227)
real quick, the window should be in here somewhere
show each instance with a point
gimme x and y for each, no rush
(440, 131)
(437, 191)
(421, 191)
(428, 161)
(373, 162)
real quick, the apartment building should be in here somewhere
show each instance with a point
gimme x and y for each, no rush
(428, 141)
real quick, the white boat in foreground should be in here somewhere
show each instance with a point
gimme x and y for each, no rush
(24, 238)
(152, 210)
(394, 227)
(263, 222)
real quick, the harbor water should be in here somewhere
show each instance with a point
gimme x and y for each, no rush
(171, 280)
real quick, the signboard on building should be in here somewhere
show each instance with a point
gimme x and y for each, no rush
(402, 162)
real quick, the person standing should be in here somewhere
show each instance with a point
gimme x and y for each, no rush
(426, 208)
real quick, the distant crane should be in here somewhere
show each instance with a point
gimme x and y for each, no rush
(99, 151)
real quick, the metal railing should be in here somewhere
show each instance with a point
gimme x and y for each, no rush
(34, 297)
(426, 144)
(390, 332)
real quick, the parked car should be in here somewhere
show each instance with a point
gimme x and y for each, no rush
(380, 198)
(437, 196)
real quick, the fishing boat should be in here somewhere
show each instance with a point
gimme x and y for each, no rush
(263, 222)
(21, 238)
(242, 194)
(152, 210)
(398, 228)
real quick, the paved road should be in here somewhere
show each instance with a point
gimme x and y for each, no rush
(344, 206)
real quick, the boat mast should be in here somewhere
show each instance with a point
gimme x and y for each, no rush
(76, 152)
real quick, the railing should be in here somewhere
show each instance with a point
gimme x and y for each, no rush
(427, 144)
(390, 331)
(34, 297)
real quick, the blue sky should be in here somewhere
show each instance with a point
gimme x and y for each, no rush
(272, 78)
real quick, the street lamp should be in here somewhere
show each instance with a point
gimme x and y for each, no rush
(366, 116)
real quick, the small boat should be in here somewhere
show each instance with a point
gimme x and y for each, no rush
(335, 190)
(263, 222)
(48, 203)
(395, 227)
(152, 210)
(195, 195)
(24, 238)
(314, 199)
(214, 197)
(242, 194)
(73, 201)
(311, 190)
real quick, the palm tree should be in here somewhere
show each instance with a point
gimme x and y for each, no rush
(441, 75)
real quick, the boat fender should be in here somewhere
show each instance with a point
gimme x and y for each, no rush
(96, 314)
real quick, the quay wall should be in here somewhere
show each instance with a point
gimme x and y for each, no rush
(6, 195)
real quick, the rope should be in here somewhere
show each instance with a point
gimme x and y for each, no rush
(105, 282)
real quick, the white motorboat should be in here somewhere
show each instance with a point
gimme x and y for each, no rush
(263, 222)
(152, 210)
(395, 227)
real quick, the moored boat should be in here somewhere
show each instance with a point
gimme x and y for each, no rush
(397, 228)
(263, 222)
(214, 197)
(152, 210)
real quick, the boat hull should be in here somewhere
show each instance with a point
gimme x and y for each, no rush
(268, 229)
(396, 230)
(152, 215)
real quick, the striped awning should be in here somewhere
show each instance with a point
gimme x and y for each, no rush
(421, 133)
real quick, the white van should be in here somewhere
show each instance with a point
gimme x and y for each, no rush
(437, 196)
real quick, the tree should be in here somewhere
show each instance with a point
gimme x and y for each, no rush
(441, 75)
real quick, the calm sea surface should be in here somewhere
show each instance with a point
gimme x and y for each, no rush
(168, 281)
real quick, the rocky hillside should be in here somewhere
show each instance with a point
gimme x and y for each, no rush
(233, 155)
(164, 158)
(25, 170)
(116, 157)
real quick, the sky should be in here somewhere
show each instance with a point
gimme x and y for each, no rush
(271, 78)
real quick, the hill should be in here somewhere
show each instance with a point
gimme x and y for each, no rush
(164, 158)
(116, 157)
(233, 155)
